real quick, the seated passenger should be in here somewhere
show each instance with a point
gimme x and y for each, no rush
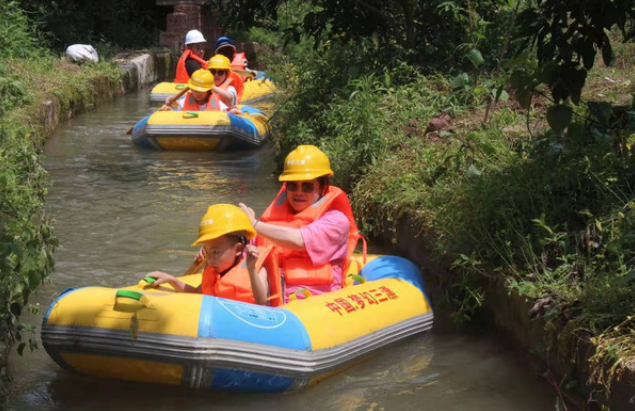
(192, 58)
(235, 270)
(310, 223)
(226, 47)
(203, 94)
(228, 87)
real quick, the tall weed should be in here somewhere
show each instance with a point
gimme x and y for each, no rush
(19, 36)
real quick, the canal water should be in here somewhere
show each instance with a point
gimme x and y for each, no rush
(121, 212)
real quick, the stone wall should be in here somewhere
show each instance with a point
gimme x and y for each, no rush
(186, 17)
(140, 71)
(508, 315)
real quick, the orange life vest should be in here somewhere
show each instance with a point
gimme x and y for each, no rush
(213, 102)
(181, 71)
(236, 285)
(239, 61)
(239, 85)
(297, 265)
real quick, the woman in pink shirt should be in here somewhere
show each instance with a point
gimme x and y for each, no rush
(310, 223)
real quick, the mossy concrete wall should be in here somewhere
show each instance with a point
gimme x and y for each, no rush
(140, 71)
(508, 313)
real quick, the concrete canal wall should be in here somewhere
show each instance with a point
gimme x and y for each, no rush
(139, 71)
(509, 314)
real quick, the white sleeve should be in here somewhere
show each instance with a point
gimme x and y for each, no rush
(180, 103)
(232, 90)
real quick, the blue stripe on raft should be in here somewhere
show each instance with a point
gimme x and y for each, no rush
(251, 110)
(394, 267)
(242, 124)
(143, 140)
(248, 381)
(142, 122)
(54, 303)
(235, 320)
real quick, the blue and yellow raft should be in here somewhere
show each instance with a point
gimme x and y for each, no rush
(202, 130)
(144, 334)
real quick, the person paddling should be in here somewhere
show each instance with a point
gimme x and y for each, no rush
(207, 92)
(234, 269)
(225, 46)
(310, 223)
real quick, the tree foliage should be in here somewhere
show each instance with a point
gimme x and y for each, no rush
(422, 32)
(566, 36)
(125, 23)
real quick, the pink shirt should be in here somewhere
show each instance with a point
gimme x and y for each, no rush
(326, 240)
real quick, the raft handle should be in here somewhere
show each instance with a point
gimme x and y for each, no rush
(133, 295)
(358, 278)
(190, 114)
(180, 86)
(294, 295)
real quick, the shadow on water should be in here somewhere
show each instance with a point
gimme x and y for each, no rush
(121, 211)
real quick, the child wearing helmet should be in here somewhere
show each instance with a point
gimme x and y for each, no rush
(192, 58)
(310, 223)
(204, 94)
(234, 269)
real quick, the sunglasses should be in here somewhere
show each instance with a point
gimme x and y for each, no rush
(219, 72)
(306, 187)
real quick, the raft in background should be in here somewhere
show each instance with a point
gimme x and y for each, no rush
(202, 130)
(199, 341)
(257, 92)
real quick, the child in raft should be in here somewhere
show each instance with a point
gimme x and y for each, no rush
(235, 269)
(209, 90)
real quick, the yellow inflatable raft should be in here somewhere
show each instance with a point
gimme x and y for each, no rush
(202, 130)
(140, 333)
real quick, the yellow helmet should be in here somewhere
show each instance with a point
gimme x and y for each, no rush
(221, 219)
(201, 80)
(219, 62)
(305, 163)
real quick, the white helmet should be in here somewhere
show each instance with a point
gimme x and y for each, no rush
(194, 36)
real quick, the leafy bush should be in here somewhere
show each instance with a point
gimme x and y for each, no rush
(13, 93)
(26, 240)
(18, 35)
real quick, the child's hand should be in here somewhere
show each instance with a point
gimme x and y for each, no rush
(200, 256)
(249, 211)
(161, 278)
(252, 257)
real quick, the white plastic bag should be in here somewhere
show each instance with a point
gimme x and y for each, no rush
(81, 52)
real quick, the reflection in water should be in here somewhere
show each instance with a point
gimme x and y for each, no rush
(121, 211)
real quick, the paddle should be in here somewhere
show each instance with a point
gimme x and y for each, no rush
(249, 73)
(195, 267)
(167, 103)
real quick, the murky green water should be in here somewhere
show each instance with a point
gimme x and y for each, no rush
(121, 212)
